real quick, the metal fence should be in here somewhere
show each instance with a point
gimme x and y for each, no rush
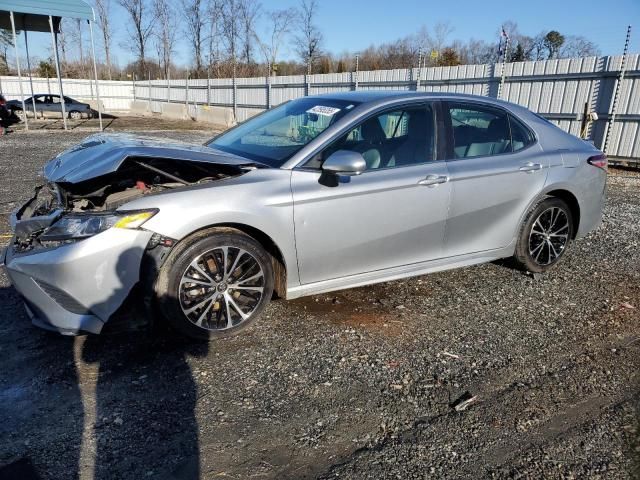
(560, 90)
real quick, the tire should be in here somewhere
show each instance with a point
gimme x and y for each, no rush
(75, 115)
(198, 300)
(544, 235)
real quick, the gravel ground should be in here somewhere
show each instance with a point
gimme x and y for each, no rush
(357, 384)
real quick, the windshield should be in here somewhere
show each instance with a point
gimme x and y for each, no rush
(275, 136)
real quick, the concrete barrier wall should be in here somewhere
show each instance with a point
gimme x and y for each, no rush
(175, 111)
(215, 115)
(139, 108)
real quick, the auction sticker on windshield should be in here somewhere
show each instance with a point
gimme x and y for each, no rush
(321, 110)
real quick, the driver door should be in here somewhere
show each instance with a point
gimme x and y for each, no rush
(391, 215)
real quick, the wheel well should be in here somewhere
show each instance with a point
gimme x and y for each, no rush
(572, 201)
(279, 264)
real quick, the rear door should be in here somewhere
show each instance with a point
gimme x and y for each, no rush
(496, 169)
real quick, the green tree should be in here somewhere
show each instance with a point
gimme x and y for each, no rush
(518, 54)
(46, 69)
(448, 58)
(552, 42)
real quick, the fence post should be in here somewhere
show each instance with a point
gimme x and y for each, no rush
(208, 87)
(234, 91)
(357, 72)
(168, 86)
(419, 70)
(149, 90)
(268, 86)
(186, 92)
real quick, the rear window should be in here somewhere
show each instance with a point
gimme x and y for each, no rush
(480, 131)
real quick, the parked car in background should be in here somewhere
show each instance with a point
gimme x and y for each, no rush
(319, 194)
(5, 116)
(49, 106)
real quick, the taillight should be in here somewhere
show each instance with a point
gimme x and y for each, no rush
(599, 161)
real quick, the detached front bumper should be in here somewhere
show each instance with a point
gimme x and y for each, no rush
(77, 287)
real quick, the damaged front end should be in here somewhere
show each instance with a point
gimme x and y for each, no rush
(65, 212)
(77, 251)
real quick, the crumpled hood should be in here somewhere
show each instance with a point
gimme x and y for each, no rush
(104, 153)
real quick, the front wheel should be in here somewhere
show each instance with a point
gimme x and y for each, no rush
(74, 115)
(215, 284)
(544, 235)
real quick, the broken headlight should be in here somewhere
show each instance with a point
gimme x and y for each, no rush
(77, 227)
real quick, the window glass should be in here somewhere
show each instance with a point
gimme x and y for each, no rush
(479, 131)
(55, 99)
(520, 135)
(392, 139)
(275, 136)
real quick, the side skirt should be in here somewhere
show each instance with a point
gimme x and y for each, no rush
(396, 273)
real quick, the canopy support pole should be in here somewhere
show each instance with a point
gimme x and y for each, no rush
(57, 60)
(95, 74)
(15, 46)
(33, 99)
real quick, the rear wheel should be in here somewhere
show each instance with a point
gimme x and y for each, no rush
(544, 235)
(75, 115)
(215, 285)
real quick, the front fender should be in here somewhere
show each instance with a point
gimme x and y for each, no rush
(260, 199)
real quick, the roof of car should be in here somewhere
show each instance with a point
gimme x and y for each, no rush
(369, 96)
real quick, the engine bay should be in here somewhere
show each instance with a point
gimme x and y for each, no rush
(135, 178)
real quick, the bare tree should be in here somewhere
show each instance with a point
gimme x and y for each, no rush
(195, 18)
(62, 40)
(103, 8)
(280, 24)
(249, 13)
(6, 41)
(578, 46)
(441, 33)
(214, 39)
(165, 34)
(309, 40)
(77, 34)
(142, 24)
(231, 28)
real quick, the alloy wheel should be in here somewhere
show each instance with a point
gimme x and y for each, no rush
(221, 288)
(549, 236)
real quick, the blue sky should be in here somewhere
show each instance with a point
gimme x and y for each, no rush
(355, 24)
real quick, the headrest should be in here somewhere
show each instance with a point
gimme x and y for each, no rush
(372, 131)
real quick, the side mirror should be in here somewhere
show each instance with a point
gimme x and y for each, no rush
(345, 162)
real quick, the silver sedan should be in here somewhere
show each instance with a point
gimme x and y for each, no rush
(319, 194)
(50, 106)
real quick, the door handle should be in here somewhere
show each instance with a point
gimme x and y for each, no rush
(433, 180)
(530, 167)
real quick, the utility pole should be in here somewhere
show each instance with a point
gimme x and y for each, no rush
(619, 80)
(504, 61)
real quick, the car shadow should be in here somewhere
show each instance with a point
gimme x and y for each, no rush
(126, 406)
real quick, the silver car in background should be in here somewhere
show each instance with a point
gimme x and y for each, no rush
(47, 105)
(319, 194)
